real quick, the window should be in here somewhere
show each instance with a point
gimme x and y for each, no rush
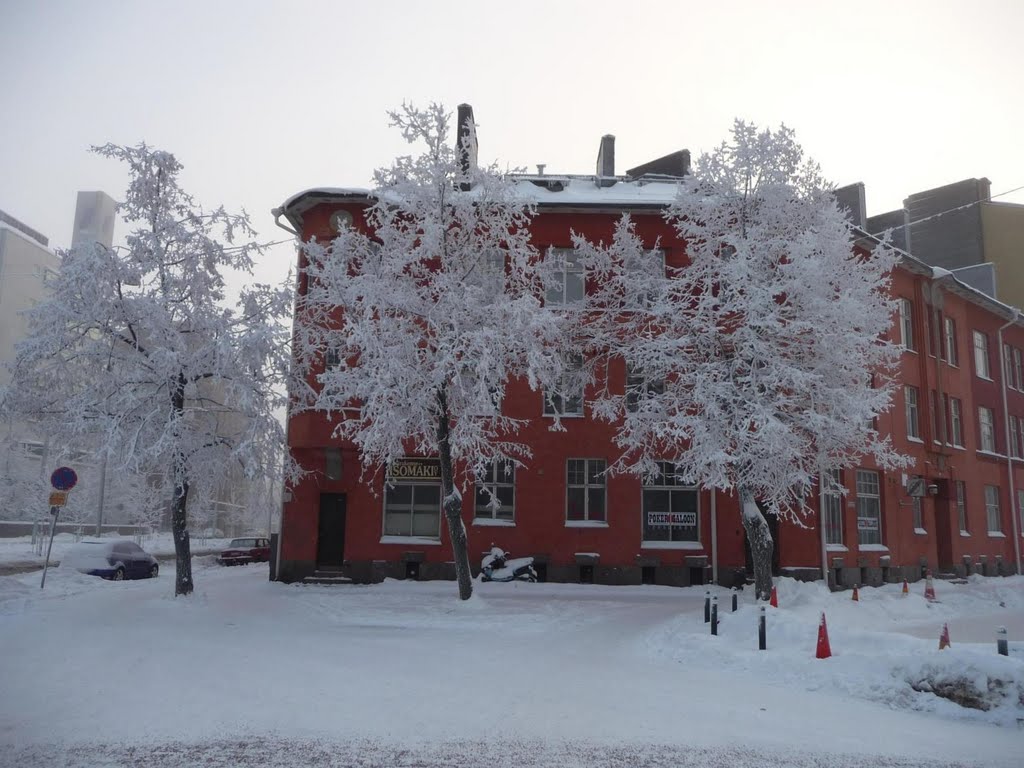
(910, 406)
(906, 311)
(1020, 509)
(332, 463)
(1015, 435)
(639, 387)
(585, 495)
(952, 353)
(1008, 366)
(995, 524)
(933, 410)
(869, 507)
(488, 274)
(567, 283)
(918, 511)
(956, 429)
(495, 492)
(670, 507)
(1018, 372)
(833, 509)
(412, 509)
(332, 358)
(568, 400)
(981, 368)
(642, 271)
(986, 424)
(961, 505)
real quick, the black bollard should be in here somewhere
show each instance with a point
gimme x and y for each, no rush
(735, 600)
(707, 606)
(714, 615)
(762, 635)
(1001, 644)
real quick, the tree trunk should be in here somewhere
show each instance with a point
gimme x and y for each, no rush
(179, 509)
(452, 501)
(761, 544)
(182, 547)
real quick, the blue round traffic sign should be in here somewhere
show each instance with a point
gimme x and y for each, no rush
(63, 478)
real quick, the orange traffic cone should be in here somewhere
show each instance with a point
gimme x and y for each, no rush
(824, 649)
(774, 602)
(929, 588)
(944, 637)
(856, 594)
(906, 588)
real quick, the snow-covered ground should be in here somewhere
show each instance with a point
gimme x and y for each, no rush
(249, 672)
(18, 550)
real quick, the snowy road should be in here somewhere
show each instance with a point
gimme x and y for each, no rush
(401, 674)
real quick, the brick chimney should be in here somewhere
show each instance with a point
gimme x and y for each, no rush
(465, 144)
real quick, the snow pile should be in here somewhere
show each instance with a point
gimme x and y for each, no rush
(884, 646)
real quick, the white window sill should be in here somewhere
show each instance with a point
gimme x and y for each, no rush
(920, 531)
(835, 548)
(965, 534)
(487, 522)
(691, 545)
(586, 524)
(957, 446)
(562, 415)
(911, 351)
(996, 535)
(913, 439)
(873, 548)
(423, 540)
(985, 378)
(991, 454)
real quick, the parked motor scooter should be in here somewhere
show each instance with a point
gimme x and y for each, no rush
(496, 566)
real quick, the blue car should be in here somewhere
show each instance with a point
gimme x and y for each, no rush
(116, 560)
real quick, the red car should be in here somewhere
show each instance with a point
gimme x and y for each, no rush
(242, 551)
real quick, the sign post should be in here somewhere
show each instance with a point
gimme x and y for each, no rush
(63, 480)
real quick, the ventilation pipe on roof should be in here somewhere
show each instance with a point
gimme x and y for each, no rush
(466, 145)
(606, 161)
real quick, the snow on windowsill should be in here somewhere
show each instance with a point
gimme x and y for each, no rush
(992, 455)
(921, 531)
(489, 523)
(965, 534)
(691, 545)
(562, 416)
(873, 548)
(410, 540)
(912, 439)
(996, 535)
(585, 524)
(835, 548)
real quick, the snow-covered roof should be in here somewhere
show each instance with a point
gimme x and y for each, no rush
(26, 237)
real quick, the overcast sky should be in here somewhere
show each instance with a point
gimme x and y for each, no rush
(259, 100)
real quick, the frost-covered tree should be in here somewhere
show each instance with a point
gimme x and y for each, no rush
(758, 365)
(137, 347)
(429, 316)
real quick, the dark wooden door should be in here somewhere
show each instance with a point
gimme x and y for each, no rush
(330, 546)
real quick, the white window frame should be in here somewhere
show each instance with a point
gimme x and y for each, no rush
(906, 317)
(956, 422)
(659, 483)
(1015, 435)
(1008, 366)
(986, 429)
(555, 402)
(389, 487)
(869, 506)
(949, 332)
(833, 511)
(1018, 370)
(982, 367)
(1020, 509)
(639, 387)
(568, 270)
(590, 468)
(917, 507)
(993, 513)
(911, 408)
(498, 474)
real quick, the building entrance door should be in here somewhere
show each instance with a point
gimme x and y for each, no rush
(330, 545)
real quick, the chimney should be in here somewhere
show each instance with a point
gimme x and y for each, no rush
(851, 201)
(606, 160)
(465, 144)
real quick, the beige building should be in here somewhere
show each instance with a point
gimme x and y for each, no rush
(1002, 236)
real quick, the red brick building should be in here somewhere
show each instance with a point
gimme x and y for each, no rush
(959, 412)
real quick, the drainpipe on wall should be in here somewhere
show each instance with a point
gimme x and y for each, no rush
(1014, 511)
(714, 536)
